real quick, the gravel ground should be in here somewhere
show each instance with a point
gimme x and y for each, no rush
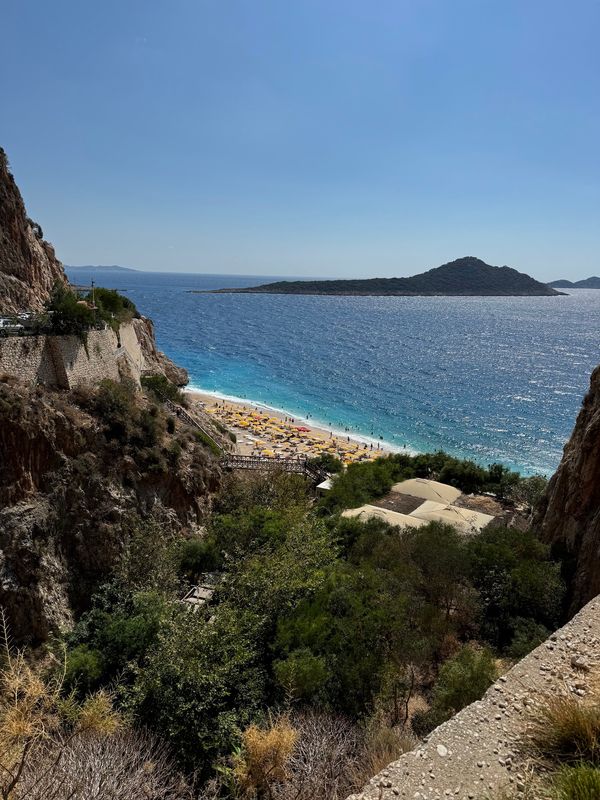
(476, 754)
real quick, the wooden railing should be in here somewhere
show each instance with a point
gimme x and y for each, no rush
(266, 463)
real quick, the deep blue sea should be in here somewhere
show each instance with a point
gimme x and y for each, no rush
(492, 379)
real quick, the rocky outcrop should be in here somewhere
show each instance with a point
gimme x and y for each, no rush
(155, 360)
(29, 269)
(69, 490)
(28, 265)
(479, 753)
(569, 515)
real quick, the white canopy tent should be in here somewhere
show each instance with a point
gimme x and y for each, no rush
(428, 490)
(391, 517)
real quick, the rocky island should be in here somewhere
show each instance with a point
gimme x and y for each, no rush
(464, 277)
(586, 283)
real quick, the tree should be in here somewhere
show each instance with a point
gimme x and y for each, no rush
(516, 580)
(67, 314)
(461, 680)
(527, 493)
(202, 683)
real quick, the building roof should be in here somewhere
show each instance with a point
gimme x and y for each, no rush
(465, 520)
(391, 517)
(428, 490)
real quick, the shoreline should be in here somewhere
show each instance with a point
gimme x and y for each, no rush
(230, 410)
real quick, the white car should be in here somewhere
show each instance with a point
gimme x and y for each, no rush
(7, 324)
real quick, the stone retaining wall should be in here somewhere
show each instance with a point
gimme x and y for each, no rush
(65, 362)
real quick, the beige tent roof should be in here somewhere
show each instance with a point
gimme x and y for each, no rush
(391, 517)
(462, 518)
(427, 490)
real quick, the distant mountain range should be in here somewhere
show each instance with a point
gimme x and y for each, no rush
(587, 283)
(104, 268)
(467, 276)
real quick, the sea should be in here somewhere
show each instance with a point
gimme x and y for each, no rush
(492, 379)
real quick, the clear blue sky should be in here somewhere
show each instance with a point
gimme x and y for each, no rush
(308, 137)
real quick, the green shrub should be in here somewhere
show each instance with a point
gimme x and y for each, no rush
(462, 680)
(203, 683)
(363, 482)
(302, 674)
(112, 305)
(517, 581)
(197, 556)
(84, 669)
(160, 387)
(527, 636)
(137, 428)
(208, 442)
(114, 403)
(327, 462)
(68, 315)
(578, 783)
(335, 644)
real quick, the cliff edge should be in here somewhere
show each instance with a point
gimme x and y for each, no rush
(28, 265)
(569, 515)
(479, 753)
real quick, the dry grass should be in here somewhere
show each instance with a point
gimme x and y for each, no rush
(565, 731)
(54, 748)
(265, 754)
(308, 756)
(382, 746)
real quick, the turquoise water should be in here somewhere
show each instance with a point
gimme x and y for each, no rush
(492, 379)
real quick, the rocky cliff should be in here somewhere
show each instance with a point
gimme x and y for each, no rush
(569, 516)
(77, 469)
(28, 265)
(155, 360)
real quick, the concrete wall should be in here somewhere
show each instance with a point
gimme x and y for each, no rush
(64, 361)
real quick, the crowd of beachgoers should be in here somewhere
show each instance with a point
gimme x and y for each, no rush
(265, 432)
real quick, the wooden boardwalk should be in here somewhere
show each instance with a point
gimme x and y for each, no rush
(266, 463)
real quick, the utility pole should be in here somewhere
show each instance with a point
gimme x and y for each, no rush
(93, 299)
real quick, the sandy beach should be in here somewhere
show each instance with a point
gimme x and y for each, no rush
(262, 431)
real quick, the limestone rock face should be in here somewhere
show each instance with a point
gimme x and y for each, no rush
(569, 516)
(28, 266)
(67, 492)
(155, 360)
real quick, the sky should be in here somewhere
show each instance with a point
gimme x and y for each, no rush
(307, 137)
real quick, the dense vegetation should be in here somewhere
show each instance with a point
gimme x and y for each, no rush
(349, 621)
(366, 481)
(465, 276)
(161, 388)
(69, 314)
